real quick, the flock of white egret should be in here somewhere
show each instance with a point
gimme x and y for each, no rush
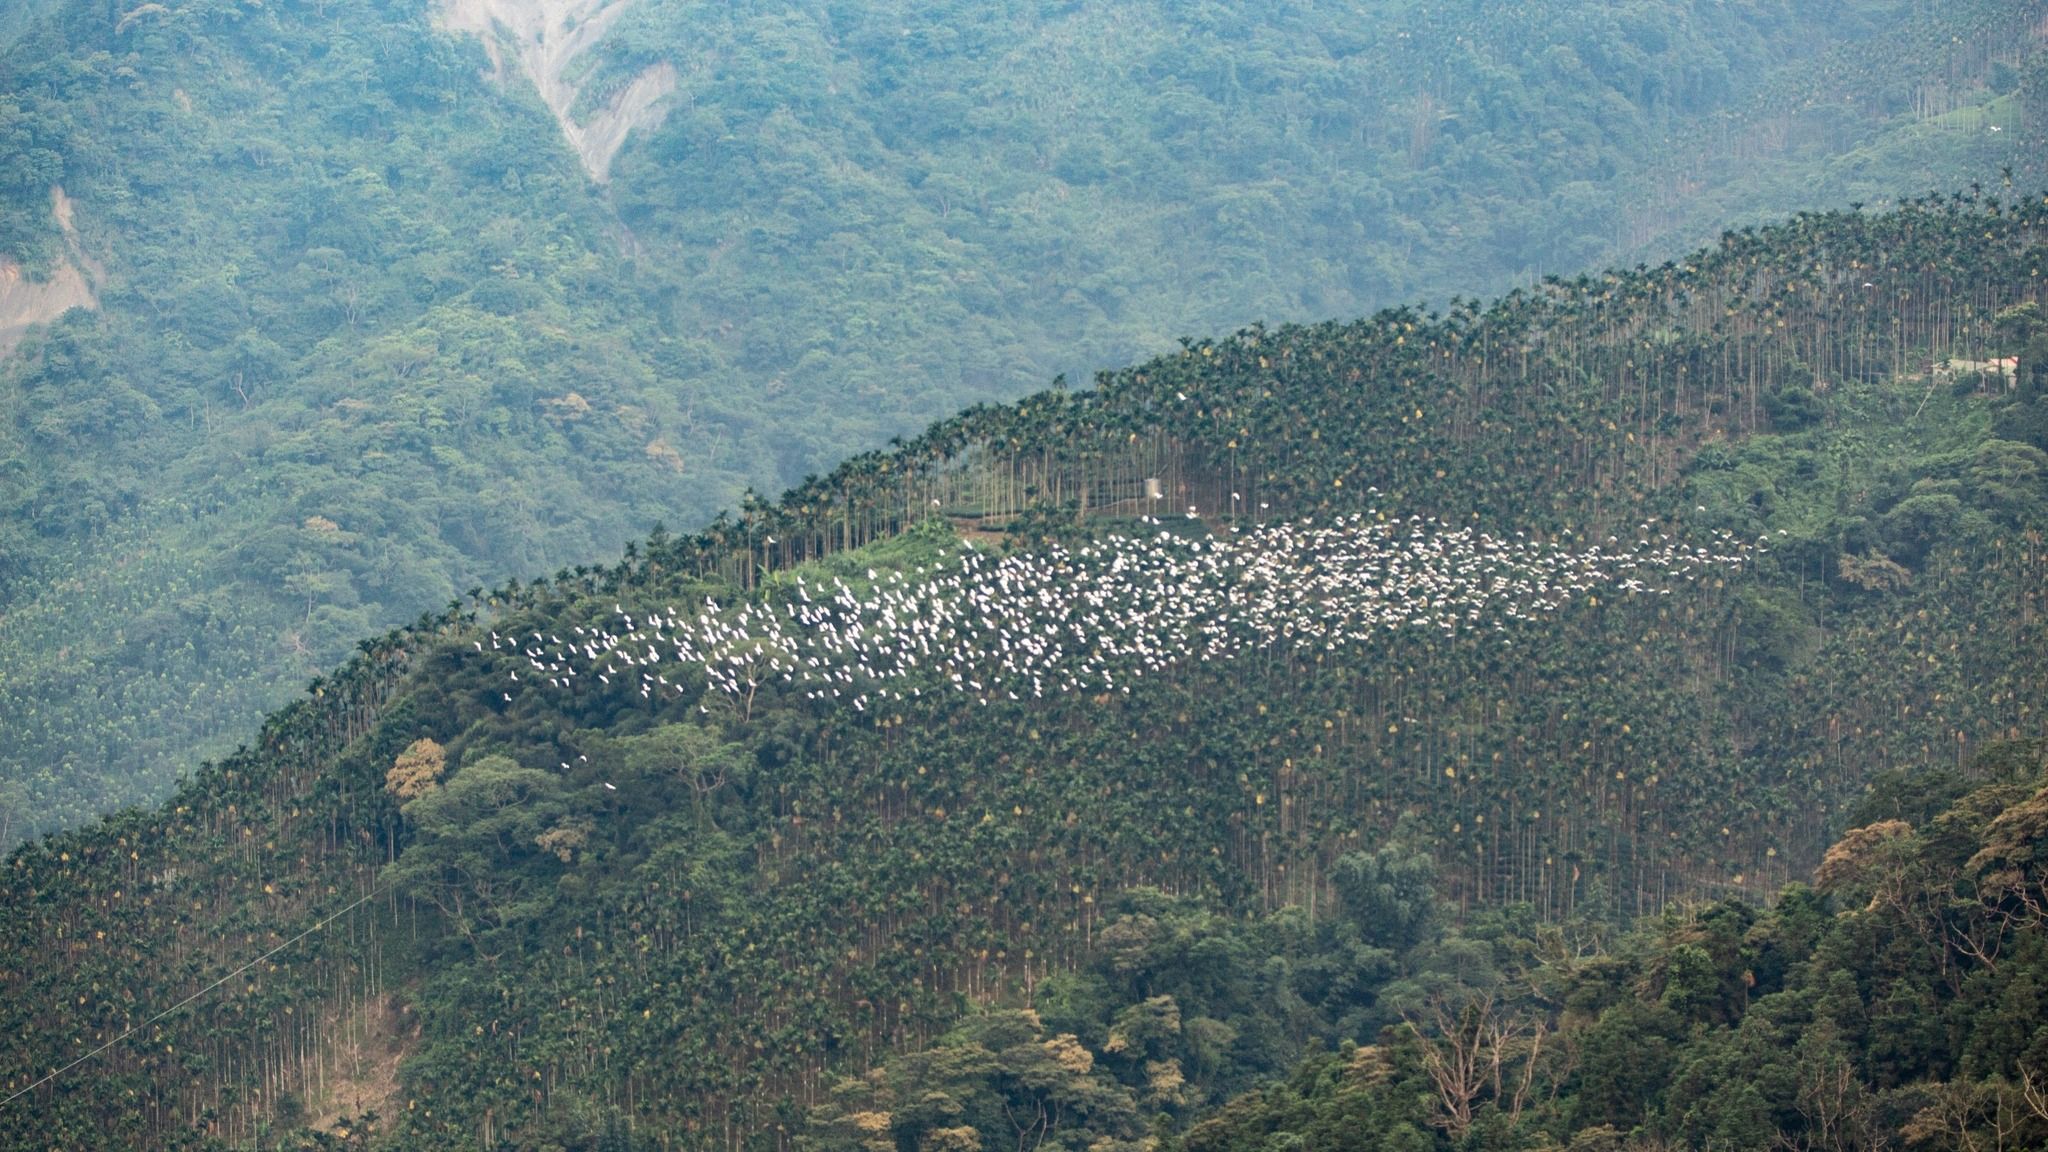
(1103, 615)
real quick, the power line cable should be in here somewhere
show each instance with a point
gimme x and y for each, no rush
(189, 999)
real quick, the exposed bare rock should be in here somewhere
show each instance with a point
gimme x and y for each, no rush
(365, 1043)
(542, 39)
(25, 302)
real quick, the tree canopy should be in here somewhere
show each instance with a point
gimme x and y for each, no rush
(605, 915)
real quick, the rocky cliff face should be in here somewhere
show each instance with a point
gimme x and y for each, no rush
(542, 39)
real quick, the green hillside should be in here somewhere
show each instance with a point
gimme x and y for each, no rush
(370, 334)
(18, 17)
(683, 902)
(1900, 1004)
(1897, 1005)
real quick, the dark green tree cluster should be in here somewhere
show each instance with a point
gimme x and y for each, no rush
(1898, 1004)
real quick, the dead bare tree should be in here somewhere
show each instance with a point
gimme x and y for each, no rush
(1476, 1049)
(1981, 1117)
(1831, 1101)
(2034, 1092)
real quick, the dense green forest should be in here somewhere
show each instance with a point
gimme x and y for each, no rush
(369, 334)
(438, 903)
(18, 17)
(1896, 1002)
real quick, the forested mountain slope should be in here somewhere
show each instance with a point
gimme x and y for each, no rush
(585, 887)
(368, 334)
(19, 16)
(1900, 1005)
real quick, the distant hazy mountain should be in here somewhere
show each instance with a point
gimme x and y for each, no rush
(17, 16)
